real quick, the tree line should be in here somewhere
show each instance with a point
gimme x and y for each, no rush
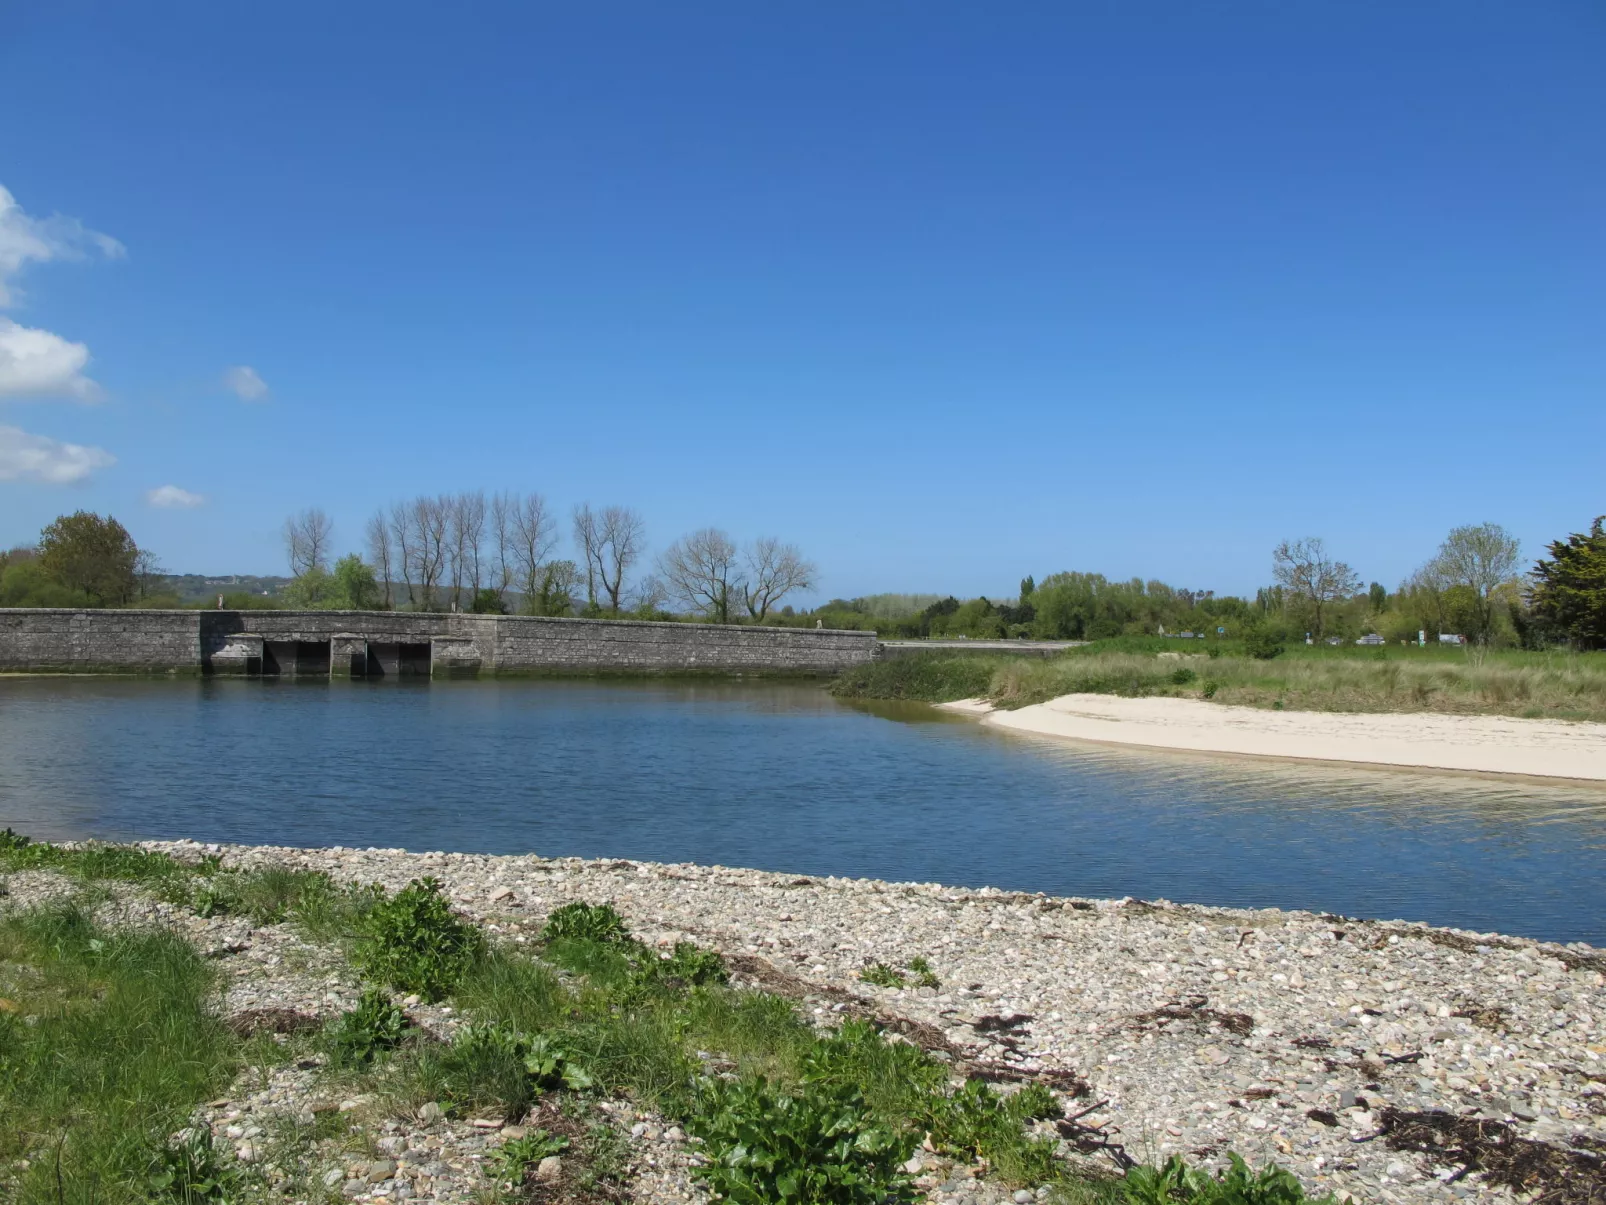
(498, 553)
(1472, 586)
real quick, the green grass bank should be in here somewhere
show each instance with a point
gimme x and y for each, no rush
(1532, 685)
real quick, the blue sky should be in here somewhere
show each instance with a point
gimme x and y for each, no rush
(944, 293)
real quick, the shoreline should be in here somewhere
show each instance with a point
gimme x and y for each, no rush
(1283, 1036)
(1287, 1037)
(1549, 751)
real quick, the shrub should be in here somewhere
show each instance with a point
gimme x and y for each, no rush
(1263, 643)
(924, 975)
(497, 1066)
(1210, 688)
(415, 943)
(689, 966)
(820, 1145)
(373, 1027)
(1181, 677)
(585, 922)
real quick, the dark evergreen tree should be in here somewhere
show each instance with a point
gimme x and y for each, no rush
(1569, 592)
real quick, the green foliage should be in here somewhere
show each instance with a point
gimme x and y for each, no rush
(922, 677)
(192, 1171)
(1263, 642)
(124, 1046)
(374, 1027)
(1183, 676)
(164, 875)
(415, 943)
(585, 922)
(881, 975)
(97, 556)
(351, 586)
(820, 1144)
(1569, 593)
(519, 1154)
(1177, 1184)
(487, 602)
(493, 1066)
(689, 965)
(24, 583)
(924, 975)
(267, 894)
(1208, 690)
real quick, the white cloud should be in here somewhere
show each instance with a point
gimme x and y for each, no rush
(171, 497)
(25, 457)
(40, 363)
(25, 240)
(245, 383)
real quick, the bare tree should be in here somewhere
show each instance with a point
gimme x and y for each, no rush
(147, 570)
(701, 571)
(532, 537)
(774, 570)
(307, 539)
(379, 552)
(430, 523)
(400, 521)
(611, 540)
(503, 506)
(1483, 558)
(1306, 569)
(588, 536)
(465, 534)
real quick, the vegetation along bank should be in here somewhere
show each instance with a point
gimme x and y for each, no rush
(216, 1024)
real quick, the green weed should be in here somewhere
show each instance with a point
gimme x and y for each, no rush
(374, 1027)
(415, 943)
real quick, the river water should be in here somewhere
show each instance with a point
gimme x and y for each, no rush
(786, 778)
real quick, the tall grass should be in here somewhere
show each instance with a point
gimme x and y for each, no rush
(106, 1045)
(1533, 685)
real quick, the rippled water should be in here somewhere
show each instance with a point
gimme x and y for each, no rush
(784, 777)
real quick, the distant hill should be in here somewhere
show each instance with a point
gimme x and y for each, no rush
(196, 587)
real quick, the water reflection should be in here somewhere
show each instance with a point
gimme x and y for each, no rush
(784, 777)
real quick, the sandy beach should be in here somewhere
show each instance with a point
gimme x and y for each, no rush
(1476, 744)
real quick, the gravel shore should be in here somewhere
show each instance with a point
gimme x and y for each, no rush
(1306, 1040)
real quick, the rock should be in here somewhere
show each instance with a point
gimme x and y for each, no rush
(549, 1169)
(1022, 1196)
(333, 1176)
(354, 1188)
(380, 1169)
(510, 1133)
(430, 1113)
(675, 1134)
(247, 1152)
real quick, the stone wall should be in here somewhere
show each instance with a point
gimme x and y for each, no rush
(244, 641)
(63, 641)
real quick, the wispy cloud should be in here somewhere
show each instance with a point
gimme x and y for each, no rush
(171, 497)
(40, 363)
(25, 239)
(25, 457)
(245, 383)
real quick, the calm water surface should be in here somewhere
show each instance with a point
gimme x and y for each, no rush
(786, 778)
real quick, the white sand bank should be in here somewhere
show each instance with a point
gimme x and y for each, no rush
(1480, 744)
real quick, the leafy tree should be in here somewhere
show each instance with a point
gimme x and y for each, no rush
(1474, 563)
(1379, 596)
(1569, 591)
(555, 592)
(351, 587)
(83, 551)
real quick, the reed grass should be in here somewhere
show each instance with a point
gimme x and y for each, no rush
(1562, 686)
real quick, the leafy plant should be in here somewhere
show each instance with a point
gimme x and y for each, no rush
(1263, 643)
(881, 975)
(1210, 688)
(494, 1066)
(688, 966)
(415, 943)
(373, 1027)
(819, 1145)
(921, 970)
(517, 1154)
(585, 922)
(1177, 1184)
(190, 1172)
(1182, 676)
